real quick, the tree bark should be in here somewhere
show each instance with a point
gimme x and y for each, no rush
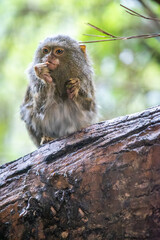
(102, 182)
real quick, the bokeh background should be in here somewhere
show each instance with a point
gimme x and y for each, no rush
(127, 73)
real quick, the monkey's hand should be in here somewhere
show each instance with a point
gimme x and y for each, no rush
(73, 86)
(42, 72)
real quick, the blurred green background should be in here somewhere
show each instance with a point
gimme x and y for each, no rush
(126, 72)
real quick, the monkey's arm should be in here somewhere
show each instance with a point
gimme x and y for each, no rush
(82, 92)
(73, 87)
(26, 113)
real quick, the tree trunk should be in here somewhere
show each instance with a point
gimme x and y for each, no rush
(102, 182)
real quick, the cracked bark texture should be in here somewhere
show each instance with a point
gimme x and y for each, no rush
(102, 182)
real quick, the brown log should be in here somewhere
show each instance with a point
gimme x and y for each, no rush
(102, 182)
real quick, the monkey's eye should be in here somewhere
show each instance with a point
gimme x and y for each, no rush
(59, 51)
(46, 50)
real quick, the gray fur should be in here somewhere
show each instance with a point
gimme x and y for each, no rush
(47, 110)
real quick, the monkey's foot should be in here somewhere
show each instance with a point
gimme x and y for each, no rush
(46, 140)
(73, 86)
(42, 72)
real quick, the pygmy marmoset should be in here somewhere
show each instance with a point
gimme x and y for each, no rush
(60, 98)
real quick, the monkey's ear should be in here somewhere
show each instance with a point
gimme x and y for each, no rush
(83, 48)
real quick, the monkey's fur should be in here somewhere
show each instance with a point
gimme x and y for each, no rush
(60, 97)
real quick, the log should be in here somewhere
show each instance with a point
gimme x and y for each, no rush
(102, 182)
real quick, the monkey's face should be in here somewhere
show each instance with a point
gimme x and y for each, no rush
(52, 56)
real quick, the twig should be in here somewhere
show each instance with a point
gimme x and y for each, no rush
(124, 38)
(133, 13)
(93, 35)
(114, 38)
(100, 30)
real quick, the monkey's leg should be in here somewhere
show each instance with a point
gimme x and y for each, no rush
(46, 140)
(73, 86)
(42, 72)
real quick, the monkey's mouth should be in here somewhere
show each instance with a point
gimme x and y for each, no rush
(52, 65)
(49, 62)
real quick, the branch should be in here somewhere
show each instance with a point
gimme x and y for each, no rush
(145, 36)
(114, 38)
(100, 30)
(134, 13)
(150, 12)
(99, 183)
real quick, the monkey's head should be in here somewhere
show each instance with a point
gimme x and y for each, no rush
(64, 56)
